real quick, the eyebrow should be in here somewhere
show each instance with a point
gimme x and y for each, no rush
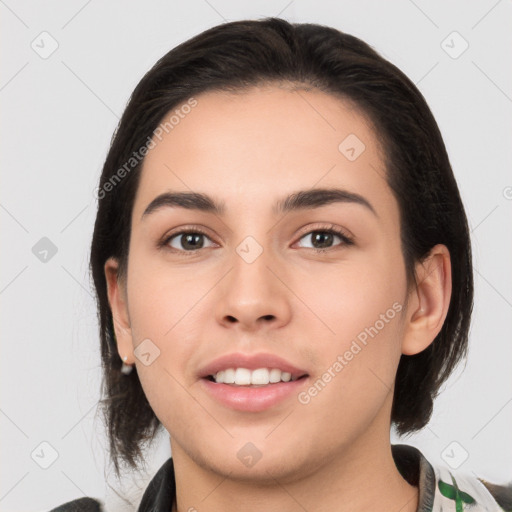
(301, 200)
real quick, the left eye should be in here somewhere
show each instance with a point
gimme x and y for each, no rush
(325, 237)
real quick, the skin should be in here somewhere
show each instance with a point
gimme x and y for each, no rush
(249, 150)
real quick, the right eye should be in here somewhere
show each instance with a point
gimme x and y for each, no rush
(186, 241)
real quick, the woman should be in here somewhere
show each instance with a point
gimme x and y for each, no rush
(283, 271)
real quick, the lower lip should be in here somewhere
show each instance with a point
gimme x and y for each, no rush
(252, 399)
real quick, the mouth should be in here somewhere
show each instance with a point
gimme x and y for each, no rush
(251, 382)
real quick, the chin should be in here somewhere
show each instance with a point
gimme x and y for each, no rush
(259, 462)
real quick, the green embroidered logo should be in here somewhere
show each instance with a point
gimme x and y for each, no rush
(453, 492)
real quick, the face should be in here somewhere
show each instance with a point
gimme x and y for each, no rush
(305, 286)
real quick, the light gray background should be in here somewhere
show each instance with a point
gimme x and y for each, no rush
(59, 114)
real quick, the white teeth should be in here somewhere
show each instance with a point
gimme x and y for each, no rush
(229, 376)
(275, 375)
(285, 376)
(245, 377)
(260, 376)
(242, 376)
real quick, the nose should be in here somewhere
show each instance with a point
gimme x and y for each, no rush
(253, 295)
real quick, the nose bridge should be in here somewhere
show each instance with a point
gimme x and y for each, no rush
(252, 293)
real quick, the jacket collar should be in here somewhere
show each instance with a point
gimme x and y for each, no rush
(159, 494)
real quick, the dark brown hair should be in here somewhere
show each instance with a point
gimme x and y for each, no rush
(241, 54)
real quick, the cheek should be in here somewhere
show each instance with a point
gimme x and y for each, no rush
(357, 365)
(165, 308)
(353, 297)
(359, 338)
(157, 297)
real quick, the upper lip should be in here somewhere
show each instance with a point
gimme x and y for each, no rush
(251, 362)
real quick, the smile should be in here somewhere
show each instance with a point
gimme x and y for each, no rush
(246, 377)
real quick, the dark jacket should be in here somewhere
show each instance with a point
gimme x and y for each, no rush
(439, 488)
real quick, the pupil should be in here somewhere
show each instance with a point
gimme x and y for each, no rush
(189, 244)
(320, 235)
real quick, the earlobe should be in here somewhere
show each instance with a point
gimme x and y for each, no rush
(118, 305)
(430, 300)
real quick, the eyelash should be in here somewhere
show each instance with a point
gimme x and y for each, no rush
(347, 240)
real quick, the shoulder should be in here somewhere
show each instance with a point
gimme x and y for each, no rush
(443, 489)
(80, 505)
(459, 489)
(158, 495)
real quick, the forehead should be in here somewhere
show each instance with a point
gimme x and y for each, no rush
(251, 148)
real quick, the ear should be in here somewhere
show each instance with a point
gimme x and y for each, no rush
(116, 290)
(428, 301)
